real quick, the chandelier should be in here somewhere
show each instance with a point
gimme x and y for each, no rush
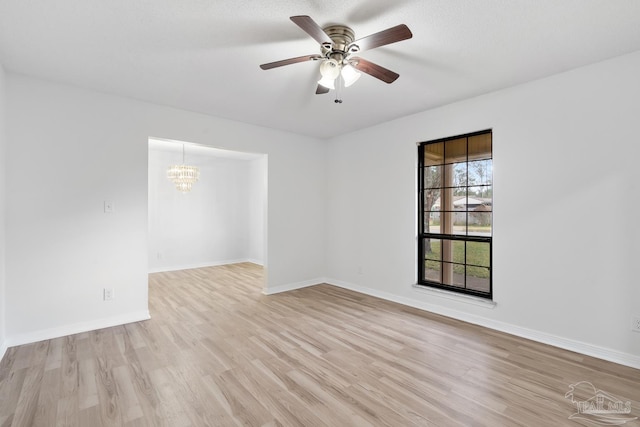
(183, 176)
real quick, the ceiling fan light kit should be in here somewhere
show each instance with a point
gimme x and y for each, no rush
(337, 47)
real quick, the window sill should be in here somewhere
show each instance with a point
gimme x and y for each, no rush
(469, 299)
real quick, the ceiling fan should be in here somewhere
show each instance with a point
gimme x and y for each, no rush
(337, 47)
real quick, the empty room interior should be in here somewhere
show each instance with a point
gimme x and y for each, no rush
(302, 213)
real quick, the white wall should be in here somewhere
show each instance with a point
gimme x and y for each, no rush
(565, 236)
(72, 149)
(565, 225)
(3, 346)
(257, 210)
(210, 225)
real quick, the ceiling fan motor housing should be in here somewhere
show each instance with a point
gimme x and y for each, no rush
(342, 37)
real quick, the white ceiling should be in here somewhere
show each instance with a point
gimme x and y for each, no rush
(203, 55)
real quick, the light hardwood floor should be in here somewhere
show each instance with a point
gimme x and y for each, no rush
(217, 352)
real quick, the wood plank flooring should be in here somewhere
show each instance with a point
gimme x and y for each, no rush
(219, 353)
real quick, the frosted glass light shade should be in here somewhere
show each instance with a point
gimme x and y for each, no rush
(329, 70)
(350, 75)
(327, 82)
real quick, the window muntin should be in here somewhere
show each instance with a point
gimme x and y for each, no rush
(456, 213)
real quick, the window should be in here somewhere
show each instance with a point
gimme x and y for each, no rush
(455, 208)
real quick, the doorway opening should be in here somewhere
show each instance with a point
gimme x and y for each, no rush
(222, 220)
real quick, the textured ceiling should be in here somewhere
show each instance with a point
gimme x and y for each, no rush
(203, 55)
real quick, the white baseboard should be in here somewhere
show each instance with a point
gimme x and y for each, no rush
(603, 353)
(3, 349)
(292, 286)
(200, 265)
(76, 328)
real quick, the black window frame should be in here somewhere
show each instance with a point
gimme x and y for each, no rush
(422, 235)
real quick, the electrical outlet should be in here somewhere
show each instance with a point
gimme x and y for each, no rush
(107, 294)
(635, 326)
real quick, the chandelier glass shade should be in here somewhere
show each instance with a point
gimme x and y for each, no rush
(183, 176)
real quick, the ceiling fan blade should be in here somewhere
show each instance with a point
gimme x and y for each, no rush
(310, 27)
(321, 89)
(305, 58)
(374, 70)
(385, 37)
